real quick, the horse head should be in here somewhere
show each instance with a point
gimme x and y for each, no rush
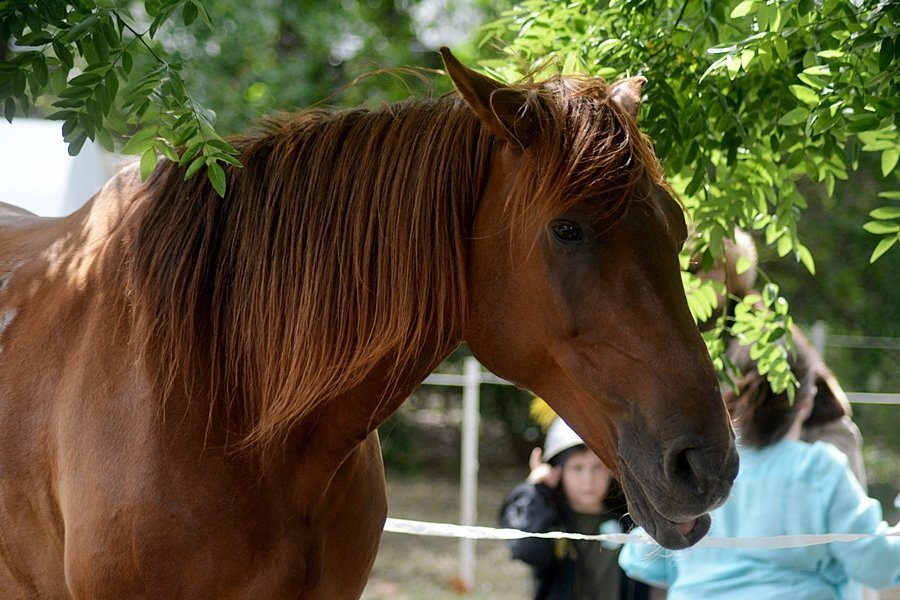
(575, 292)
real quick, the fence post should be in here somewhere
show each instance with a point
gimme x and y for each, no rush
(818, 336)
(468, 508)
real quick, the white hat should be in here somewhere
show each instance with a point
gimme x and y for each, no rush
(560, 437)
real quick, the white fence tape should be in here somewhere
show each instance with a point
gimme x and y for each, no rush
(489, 533)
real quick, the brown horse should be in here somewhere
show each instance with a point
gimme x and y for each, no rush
(190, 386)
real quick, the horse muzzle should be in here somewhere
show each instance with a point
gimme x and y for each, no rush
(671, 498)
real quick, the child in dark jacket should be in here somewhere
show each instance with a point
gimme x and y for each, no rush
(570, 489)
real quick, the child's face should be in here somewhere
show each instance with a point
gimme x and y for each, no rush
(585, 480)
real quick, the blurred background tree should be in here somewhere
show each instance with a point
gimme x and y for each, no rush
(282, 55)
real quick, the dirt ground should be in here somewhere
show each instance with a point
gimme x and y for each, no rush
(413, 567)
(426, 568)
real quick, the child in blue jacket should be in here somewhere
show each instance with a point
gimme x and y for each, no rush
(785, 487)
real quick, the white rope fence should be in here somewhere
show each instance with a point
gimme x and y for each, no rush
(476, 532)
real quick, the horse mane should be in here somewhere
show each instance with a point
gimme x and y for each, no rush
(343, 242)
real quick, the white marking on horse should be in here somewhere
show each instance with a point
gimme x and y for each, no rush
(6, 318)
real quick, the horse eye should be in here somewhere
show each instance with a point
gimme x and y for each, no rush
(567, 232)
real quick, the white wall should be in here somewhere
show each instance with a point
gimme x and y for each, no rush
(37, 173)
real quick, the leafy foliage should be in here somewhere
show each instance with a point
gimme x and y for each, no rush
(746, 100)
(83, 53)
(116, 70)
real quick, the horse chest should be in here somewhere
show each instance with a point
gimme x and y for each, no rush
(186, 540)
(218, 532)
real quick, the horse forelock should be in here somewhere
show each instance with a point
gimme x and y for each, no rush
(590, 149)
(341, 245)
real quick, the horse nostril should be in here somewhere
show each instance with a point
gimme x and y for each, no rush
(703, 472)
(700, 475)
(682, 467)
(685, 468)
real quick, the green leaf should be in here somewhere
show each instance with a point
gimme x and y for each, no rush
(75, 92)
(886, 213)
(781, 48)
(204, 14)
(195, 166)
(770, 290)
(794, 117)
(70, 125)
(63, 54)
(76, 144)
(886, 54)
(112, 83)
(190, 152)
(69, 103)
(222, 145)
(733, 64)
(110, 33)
(743, 9)
(227, 158)
(152, 7)
(59, 78)
(148, 163)
(86, 79)
(167, 150)
(860, 123)
(784, 245)
(818, 70)
(883, 246)
(889, 161)
(61, 115)
(161, 17)
(140, 142)
(185, 135)
(774, 335)
(101, 47)
(746, 58)
(127, 61)
(217, 177)
(39, 65)
(87, 122)
(881, 227)
(76, 32)
(806, 258)
(804, 94)
(35, 38)
(189, 13)
(106, 140)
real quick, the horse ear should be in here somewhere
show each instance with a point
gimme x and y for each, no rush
(500, 108)
(627, 94)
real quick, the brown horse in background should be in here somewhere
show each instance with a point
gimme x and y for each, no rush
(190, 387)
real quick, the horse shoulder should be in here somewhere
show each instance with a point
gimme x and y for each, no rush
(57, 357)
